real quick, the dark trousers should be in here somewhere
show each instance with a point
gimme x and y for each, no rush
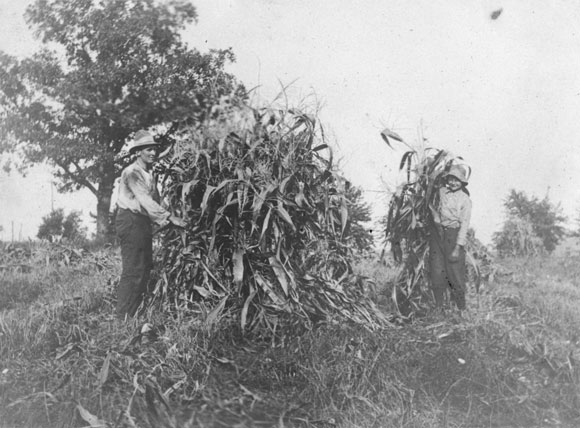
(444, 273)
(136, 236)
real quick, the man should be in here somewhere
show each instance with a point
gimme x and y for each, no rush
(138, 206)
(448, 239)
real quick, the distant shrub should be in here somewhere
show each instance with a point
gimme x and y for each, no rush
(532, 226)
(517, 238)
(56, 226)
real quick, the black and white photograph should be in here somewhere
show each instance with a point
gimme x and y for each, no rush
(289, 214)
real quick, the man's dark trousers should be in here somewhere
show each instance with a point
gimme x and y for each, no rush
(135, 233)
(444, 273)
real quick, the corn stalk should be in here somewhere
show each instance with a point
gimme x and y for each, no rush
(409, 220)
(268, 221)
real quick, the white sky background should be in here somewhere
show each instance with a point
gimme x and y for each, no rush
(504, 94)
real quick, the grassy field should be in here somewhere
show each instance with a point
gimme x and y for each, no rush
(65, 361)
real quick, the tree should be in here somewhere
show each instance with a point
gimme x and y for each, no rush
(359, 212)
(108, 68)
(532, 225)
(576, 231)
(56, 224)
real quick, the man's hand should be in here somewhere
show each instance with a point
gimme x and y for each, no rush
(177, 221)
(454, 256)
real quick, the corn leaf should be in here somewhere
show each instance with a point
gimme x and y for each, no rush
(265, 224)
(406, 159)
(208, 191)
(260, 199)
(244, 315)
(238, 266)
(285, 216)
(186, 189)
(343, 215)
(265, 285)
(283, 184)
(320, 147)
(204, 292)
(387, 134)
(213, 316)
(91, 419)
(104, 374)
(280, 273)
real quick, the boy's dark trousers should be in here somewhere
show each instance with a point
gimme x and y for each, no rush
(444, 273)
(136, 236)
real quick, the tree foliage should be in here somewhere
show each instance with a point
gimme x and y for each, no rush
(269, 232)
(576, 231)
(518, 239)
(107, 69)
(57, 225)
(532, 225)
(357, 235)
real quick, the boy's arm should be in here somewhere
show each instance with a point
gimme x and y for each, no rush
(465, 219)
(462, 234)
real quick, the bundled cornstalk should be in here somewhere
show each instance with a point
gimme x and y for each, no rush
(268, 221)
(409, 221)
(518, 239)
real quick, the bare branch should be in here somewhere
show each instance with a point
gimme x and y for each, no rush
(78, 177)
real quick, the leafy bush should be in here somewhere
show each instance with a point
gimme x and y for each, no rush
(517, 238)
(56, 226)
(532, 226)
(271, 222)
(359, 213)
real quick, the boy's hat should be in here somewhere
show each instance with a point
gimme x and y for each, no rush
(459, 173)
(142, 139)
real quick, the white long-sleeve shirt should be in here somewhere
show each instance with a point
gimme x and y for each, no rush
(455, 212)
(138, 193)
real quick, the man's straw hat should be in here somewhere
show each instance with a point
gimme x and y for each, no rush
(141, 140)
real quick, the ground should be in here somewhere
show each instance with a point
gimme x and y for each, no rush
(65, 361)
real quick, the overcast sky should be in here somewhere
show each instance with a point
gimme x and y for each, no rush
(502, 93)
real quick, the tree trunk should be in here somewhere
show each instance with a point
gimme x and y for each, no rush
(104, 195)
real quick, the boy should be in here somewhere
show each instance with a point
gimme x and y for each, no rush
(447, 241)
